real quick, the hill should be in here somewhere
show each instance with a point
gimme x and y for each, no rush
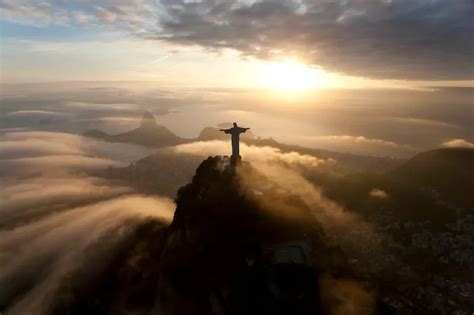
(431, 186)
(423, 209)
(153, 135)
(148, 134)
(238, 244)
(446, 174)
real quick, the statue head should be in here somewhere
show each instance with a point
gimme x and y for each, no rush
(235, 124)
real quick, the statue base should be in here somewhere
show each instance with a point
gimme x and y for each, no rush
(235, 160)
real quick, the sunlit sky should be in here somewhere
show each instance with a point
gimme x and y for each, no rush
(292, 50)
(235, 43)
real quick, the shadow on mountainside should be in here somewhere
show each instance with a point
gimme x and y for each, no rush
(238, 244)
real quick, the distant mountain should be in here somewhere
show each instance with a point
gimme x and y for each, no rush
(151, 134)
(211, 133)
(431, 186)
(162, 172)
(447, 174)
(148, 134)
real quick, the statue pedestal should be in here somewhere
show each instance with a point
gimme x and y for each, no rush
(235, 160)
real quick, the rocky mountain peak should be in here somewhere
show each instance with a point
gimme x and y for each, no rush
(148, 120)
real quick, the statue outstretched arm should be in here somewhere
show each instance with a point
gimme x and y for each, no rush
(225, 130)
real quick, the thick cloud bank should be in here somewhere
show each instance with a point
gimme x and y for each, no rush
(54, 214)
(251, 153)
(402, 39)
(386, 39)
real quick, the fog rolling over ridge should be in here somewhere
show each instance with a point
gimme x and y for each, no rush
(82, 209)
(381, 122)
(243, 157)
(53, 212)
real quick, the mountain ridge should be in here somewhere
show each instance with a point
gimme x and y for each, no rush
(149, 133)
(233, 247)
(159, 136)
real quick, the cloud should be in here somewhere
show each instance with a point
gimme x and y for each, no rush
(38, 113)
(81, 17)
(53, 216)
(41, 152)
(121, 15)
(346, 296)
(400, 39)
(360, 139)
(378, 193)
(106, 14)
(34, 13)
(423, 122)
(53, 164)
(26, 152)
(35, 147)
(251, 153)
(359, 145)
(35, 192)
(458, 143)
(57, 244)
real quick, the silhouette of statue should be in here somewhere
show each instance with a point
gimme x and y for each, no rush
(235, 133)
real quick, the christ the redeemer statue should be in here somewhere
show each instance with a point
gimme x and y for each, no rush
(235, 132)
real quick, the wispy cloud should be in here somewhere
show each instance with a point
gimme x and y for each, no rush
(51, 218)
(359, 145)
(458, 143)
(42, 152)
(56, 245)
(378, 193)
(252, 153)
(359, 139)
(34, 12)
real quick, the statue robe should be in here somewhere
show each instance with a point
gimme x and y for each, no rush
(235, 133)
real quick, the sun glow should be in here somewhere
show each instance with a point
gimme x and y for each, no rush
(291, 76)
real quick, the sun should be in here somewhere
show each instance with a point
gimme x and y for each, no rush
(291, 76)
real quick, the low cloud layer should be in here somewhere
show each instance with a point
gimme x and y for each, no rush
(56, 245)
(340, 120)
(251, 153)
(359, 145)
(27, 152)
(53, 211)
(458, 143)
(402, 39)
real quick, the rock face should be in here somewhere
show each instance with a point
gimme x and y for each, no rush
(148, 120)
(238, 244)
